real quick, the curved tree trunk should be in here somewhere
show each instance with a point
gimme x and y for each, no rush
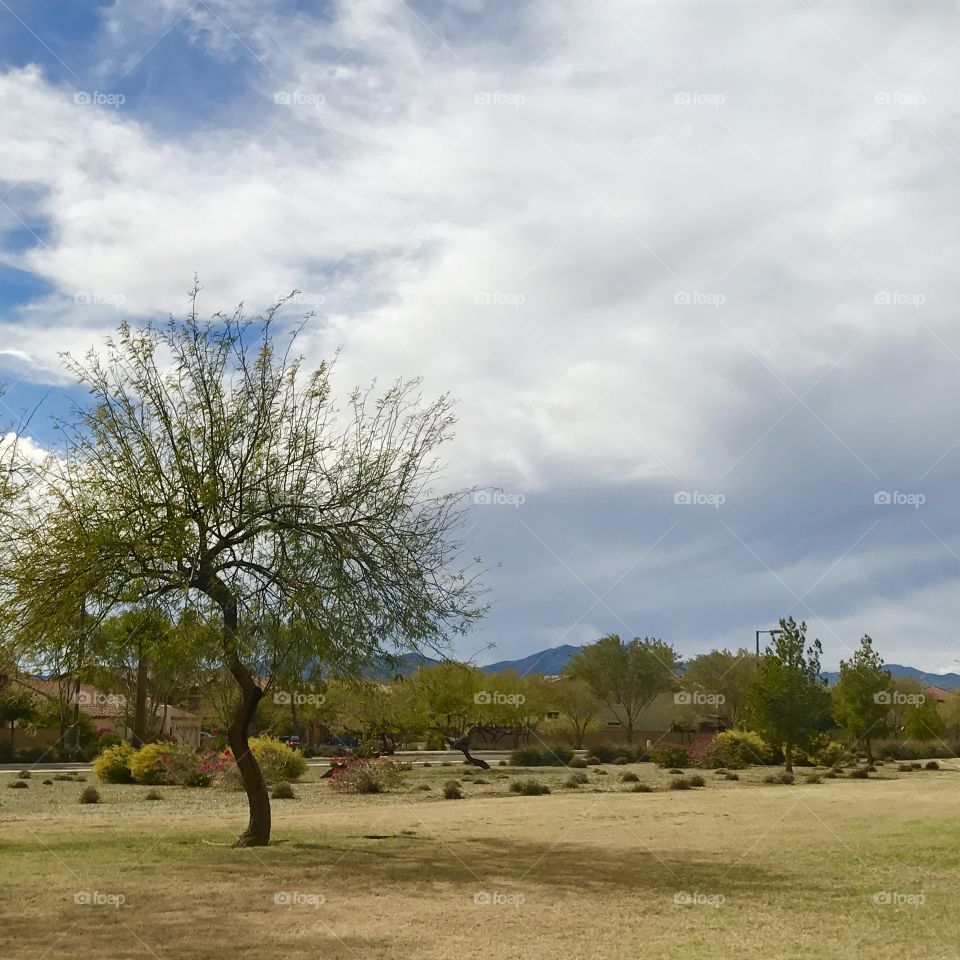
(257, 833)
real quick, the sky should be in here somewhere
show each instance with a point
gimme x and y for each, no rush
(689, 270)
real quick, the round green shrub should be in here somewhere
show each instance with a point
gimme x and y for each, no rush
(681, 783)
(24, 775)
(629, 777)
(640, 788)
(452, 791)
(278, 761)
(113, 764)
(736, 750)
(529, 788)
(18, 785)
(89, 795)
(931, 765)
(697, 781)
(283, 791)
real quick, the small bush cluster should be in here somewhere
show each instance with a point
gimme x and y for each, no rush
(90, 795)
(782, 778)
(629, 777)
(671, 757)
(697, 781)
(18, 785)
(24, 775)
(529, 788)
(731, 776)
(681, 783)
(278, 761)
(452, 791)
(555, 757)
(860, 773)
(576, 780)
(375, 775)
(813, 778)
(283, 791)
(628, 753)
(736, 750)
(640, 788)
(916, 750)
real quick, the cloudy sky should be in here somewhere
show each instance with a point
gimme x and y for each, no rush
(686, 266)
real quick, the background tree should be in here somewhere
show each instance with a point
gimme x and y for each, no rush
(951, 715)
(907, 691)
(579, 707)
(862, 695)
(626, 676)
(16, 707)
(727, 675)
(788, 700)
(923, 721)
(211, 469)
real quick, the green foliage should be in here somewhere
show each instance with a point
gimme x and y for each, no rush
(113, 764)
(629, 777)
(18, 784)
(861, 697)
(923, 721)
(697, 781)
(529, 788)
(736, 750)
(724, 678)
(640, 788)
(626, 676)
(931, 765)
(452, 791)
(24, 775)
(680, 783)
(788, 701)
(860, 773)
(278, 762)
(283, 791)
(578, 705)
(671, 757)
(90, 795)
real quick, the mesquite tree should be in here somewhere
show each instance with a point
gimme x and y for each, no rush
(211, 468)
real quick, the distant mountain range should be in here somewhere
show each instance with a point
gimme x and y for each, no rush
(553, 661)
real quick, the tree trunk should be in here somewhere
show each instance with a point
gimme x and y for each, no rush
(788, 757)
(257, 833)
(140, 700)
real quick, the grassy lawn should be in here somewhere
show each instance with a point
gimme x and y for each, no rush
(592, 872)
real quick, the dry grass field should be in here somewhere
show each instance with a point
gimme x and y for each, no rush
(734, 869)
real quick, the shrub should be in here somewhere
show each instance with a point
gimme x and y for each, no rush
(731, 776)
(113, 764)
(18, 784)
(279, 762)
(90, 795)
(784, 778)
(577, 779)
(109, 739)
(529, 788)
(813, 778)
(931, 765)
(577, 763)
(736, 750)
(621, 761)
(640, 788)
(592, 761)
(681, 783)
(283, 791)
(176, 764)
(24, 775)
(48, 783)
(671, 757)
(452, 791)
(916, 766)
(675, 771)
(697, 781)
(366, 776)
(153, 795)
(435, 741)
(828, 754)
(629, 777)
(719, 772)
(861, 773)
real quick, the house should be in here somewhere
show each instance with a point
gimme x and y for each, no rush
(109, 712)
